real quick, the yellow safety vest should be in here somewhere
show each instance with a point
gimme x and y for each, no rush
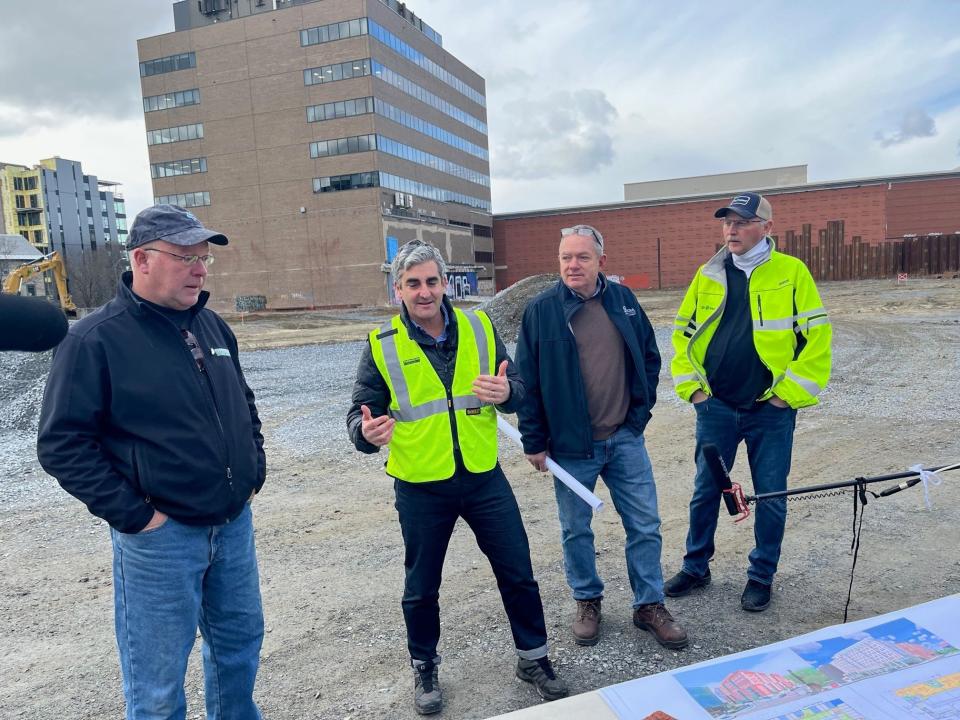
(421, 449)
(791, 329)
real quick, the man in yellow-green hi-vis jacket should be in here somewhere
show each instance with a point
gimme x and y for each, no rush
(752, 342)
(428, 386)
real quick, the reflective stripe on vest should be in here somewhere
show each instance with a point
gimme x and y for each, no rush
(421, 449)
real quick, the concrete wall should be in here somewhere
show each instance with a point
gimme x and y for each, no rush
(720, 183)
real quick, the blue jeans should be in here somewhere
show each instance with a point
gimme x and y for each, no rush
(167, 583)
(428, 513)
(622, 461)
(767, 431)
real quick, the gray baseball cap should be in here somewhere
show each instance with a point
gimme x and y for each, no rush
(172, 224)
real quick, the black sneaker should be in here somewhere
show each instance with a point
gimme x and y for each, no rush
(756, 596)
(540, 673)
(427, 695)
(683, 582)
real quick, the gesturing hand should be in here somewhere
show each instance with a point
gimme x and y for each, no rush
(493, 389)
(376, 430)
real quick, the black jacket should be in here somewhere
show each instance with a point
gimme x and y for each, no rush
(555, 417)
(129, 424)
(371, 389)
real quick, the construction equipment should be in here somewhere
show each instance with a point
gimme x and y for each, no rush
(52, 262)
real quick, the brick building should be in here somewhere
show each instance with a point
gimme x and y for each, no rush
(847, 229)
(318, 136)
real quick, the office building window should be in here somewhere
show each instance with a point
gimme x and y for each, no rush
(411, 88)
(431, 192)
(406, 152)
(175, 134)
(425, 63)
(336, 183)
(343, 108)
(340, 71)
(343, 146)
(168, 64)
(334, 31)
(177, 167)
(171, 100)
(186, 200)
(413, 122)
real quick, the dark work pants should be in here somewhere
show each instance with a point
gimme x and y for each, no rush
(767, 431)
(428, 513)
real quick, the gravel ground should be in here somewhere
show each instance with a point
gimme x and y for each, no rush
(331, 553)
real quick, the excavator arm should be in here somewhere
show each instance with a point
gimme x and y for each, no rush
(52, 262)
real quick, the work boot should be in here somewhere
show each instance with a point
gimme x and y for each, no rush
(540, 673)
(756, 596)
(586, 626)
(427, 695)
(658, 621)
(683, 582)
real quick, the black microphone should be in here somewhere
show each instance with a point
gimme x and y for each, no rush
(897, 488)
(30, 324)
(721, 477)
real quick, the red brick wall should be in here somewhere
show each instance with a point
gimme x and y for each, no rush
(922, 208)
(689, 234)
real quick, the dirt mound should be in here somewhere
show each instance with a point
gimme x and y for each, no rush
(506, 307)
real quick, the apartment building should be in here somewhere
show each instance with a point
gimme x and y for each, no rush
(56, 206)
(318, 135)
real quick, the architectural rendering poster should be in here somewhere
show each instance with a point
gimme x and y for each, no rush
(900, 666)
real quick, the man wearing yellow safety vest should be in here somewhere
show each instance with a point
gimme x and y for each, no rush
(427, 387)
(752, 342)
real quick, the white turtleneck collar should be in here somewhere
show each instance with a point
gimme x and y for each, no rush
(752, 257)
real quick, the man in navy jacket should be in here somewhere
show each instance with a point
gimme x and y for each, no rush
(148, 421)
(590, 361)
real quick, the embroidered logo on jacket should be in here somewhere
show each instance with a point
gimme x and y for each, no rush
(221, 352)
(629, 312)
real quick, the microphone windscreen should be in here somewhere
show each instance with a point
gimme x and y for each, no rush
(721, 477)
(30, 324)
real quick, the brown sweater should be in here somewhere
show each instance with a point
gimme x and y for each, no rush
(603, 367)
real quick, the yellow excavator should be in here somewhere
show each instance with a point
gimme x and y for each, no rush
(52, 262)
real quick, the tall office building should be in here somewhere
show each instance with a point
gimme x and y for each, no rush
(56, 206)
(318, 135)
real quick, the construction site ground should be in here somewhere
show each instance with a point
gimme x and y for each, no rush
(331, 555)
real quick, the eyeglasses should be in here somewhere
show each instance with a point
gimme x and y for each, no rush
(727, 222)
(186, 259)
(584, 230)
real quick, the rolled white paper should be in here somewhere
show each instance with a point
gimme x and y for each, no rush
(558, 472)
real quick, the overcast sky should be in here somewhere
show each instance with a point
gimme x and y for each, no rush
(581, 96)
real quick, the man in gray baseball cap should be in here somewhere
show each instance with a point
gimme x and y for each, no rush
(172, 224)
(148, 420)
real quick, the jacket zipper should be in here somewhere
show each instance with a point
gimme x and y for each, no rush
(216, 412)
(759, 308)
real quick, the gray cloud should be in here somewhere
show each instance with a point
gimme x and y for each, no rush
(78, 58)
(564, 133)
(915, 123)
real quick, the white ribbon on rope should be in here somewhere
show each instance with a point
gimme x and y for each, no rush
(930, 477)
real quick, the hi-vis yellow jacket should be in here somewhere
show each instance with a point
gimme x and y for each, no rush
(421, 449)
(791, 330)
